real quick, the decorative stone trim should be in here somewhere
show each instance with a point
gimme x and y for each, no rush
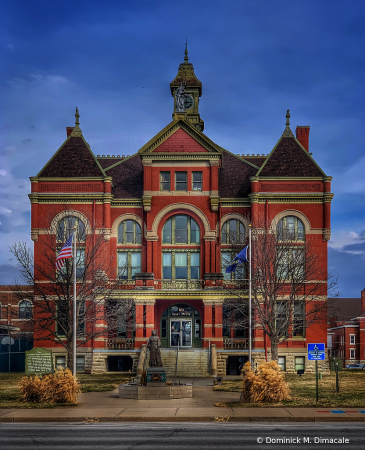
(122, 218)
(70, 212)
(214, 203)
(326, 234)
(147, 203)
(34, 232)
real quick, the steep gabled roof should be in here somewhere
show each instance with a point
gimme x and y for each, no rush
(74, 158)
(289, 158)
(127, 177)
(183, 137)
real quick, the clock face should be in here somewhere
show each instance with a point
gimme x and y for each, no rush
(188, 102)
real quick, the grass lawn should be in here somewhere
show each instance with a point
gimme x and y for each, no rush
(9, 392)
(303, 390)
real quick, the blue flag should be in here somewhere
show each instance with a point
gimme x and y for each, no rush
(240, 258)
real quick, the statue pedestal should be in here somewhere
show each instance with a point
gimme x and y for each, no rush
(156, 376)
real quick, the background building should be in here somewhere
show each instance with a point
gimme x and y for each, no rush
(167, 215)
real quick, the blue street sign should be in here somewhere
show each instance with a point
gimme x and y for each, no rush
(316, 352)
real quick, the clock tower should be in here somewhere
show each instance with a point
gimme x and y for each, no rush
(186, 90)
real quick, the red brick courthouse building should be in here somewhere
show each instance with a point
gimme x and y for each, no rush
(166, 213)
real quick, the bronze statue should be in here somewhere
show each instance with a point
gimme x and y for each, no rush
(154, 345)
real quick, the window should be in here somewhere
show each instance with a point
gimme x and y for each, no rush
(299, 363)
(181, 265)
(164, 181)
(197, 181)
(67, 269)
(352, 339)
(181, 229)
(290, 228)
(129, 263)
(282, 362)
(66, 228)
(299, 318)
(352, 353)
(60, 362)
(342, 340)
(233, 232)
(181, 181)
(63, 317)
(80, 363)
(290, 264)
(238, 274)
(25, 310)
(129, 232)
(282, 318)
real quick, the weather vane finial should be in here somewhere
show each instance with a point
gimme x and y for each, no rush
(186, 51)
(77, 115)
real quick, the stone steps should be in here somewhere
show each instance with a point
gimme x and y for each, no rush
(191, 363)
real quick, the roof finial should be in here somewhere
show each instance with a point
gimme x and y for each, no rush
(77, 115)
(186, 51)
(287, 131)
(77, 130)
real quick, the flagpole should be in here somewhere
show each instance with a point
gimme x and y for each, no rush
(74, 310)
(249, 299)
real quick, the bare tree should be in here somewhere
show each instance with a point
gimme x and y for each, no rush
(99, 299)
(290, 284)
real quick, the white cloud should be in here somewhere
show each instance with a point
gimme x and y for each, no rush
(341, 238)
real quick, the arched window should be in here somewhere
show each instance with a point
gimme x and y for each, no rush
(233, 232)
(181, 263)
(129, 232)
(290, 228)
(66, 227)
(181, 229)
(25, 310)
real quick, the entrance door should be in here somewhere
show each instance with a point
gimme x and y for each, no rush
(180, 333)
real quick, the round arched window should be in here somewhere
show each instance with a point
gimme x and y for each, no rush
(181, 229)
(129, 232)
(233, 232)
(66, 227)
(290, 228)
(25, 310)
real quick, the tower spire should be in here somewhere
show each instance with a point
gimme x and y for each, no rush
(186, 59)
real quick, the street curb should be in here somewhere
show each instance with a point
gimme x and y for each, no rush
(218, 419)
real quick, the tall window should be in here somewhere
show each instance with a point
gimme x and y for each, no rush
(181, 229)
(164, 181)
(197, 181)
(282, 317)
(239, 273)
(66, 227)
(129, 232)
(25, 310)
(129, 263)
(233, 232)
(290, 228)
(181, 181)
(299, 318)
(290, 263)
(181, 265)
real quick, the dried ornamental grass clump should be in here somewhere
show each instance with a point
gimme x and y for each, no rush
(267, 385)
(59, 387)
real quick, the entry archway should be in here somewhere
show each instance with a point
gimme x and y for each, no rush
(181, 325)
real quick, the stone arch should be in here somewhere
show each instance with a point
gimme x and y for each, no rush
(237, 216)
(291, 212)
(122, 218)
(183, 206)
(73, 213)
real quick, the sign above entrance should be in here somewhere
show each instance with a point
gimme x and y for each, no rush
(181, 310)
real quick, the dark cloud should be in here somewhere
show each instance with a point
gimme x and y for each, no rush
(8, 274)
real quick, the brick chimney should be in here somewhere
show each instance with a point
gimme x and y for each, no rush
(302, 134)
(69, 130)
(363, 300)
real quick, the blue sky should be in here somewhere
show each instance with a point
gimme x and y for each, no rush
(115, 60)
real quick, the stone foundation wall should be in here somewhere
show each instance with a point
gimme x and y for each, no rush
(99, 360)
(155, 392)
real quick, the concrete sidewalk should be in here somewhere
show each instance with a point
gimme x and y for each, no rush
(108, 407)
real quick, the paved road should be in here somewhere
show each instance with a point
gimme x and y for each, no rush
(187, 436)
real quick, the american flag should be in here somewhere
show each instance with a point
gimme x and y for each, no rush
(65, 253)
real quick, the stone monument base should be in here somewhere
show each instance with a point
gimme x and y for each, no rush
(155, 392)
(156, 376)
